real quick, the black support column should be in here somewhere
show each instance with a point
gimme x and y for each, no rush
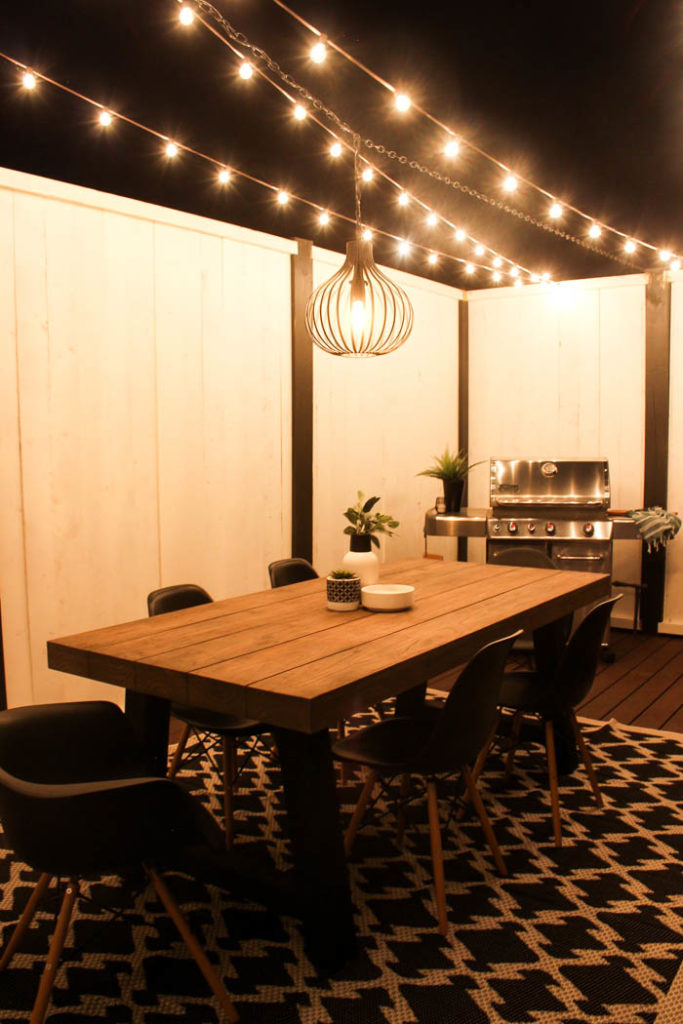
(463, 401)
(302, 404)
(657, 347)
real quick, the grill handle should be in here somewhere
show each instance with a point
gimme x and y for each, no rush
(580, 558)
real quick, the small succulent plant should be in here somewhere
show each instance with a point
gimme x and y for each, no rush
(342, 574)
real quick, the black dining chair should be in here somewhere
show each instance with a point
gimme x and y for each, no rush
(551, 700)
(442, 742)
(229, 728)
(285, 571)
(77, 800)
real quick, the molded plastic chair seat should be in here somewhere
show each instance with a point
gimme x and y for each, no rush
(286, 571)
(72, 806)
(395, 743)
(220, 722)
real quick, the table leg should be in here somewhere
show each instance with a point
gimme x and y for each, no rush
(149, 718)
(321, 877)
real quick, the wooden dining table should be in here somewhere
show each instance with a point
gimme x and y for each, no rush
(279, 656)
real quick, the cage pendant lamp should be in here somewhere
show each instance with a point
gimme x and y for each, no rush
(359, 311)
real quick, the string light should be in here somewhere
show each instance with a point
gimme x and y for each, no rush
(105, 118)
(224, 176)
(534, 278)
(368, 174)
(594, 231)
(460, 235)
(469, 268)
(245, 70)
(555, 211)
(675, 264)
(403, 199)
(172, 149)
(432, 220)
(367, 235)
(665, 255)
(318, 53)
(498, 262)
(432, 258)
(404, 247)
(300, 113)
(510, 183)
(402, 102)
(28, 80)
(629, 245)
(283, 198)
(324, 218)
(514, 272)
(495, 276)
(479, 250)
(186, 15)
(452, 148)
(518, 283)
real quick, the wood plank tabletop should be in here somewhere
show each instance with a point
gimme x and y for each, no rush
(281, 657)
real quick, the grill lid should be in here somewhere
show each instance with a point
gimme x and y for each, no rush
(559, 483)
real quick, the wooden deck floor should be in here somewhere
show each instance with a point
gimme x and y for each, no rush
(643, 686)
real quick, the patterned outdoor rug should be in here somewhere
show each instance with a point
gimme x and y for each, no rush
(591, 932)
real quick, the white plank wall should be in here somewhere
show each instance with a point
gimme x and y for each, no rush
(558, 372)
(145, 414)
(378, 422)
(673, 605)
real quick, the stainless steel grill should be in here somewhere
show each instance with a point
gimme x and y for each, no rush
(555, 507)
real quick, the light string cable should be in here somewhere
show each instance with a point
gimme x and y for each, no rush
(263, 58)
(108, 117)
(629, 241)
(498, 259)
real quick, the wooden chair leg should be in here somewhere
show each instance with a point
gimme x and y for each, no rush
(53, 957)
(404, 793)
(514, 739)
(179, 751)
(479, 767)
(552, 777)
(437, 856)
(357, 816)
(229, 761)
(485, 822)
(176, 915)
(587, 760)
(24, 922)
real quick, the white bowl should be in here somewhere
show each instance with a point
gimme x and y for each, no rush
(387, 597)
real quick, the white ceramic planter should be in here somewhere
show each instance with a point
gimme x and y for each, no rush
(362, 560)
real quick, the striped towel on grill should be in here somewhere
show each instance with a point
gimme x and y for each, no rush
(656, 525)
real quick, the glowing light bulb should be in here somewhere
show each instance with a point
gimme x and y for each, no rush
(403, 199)
(172, 149)
(402, 102)
(246, 70)
(514, 272)
(498, 262)
(535, 278)
(300, 113)
(495, 276)
(460, 235)
(469, 268)
(318, 53)
(283, 198)
(224, 176)
(545, 276)
(404, 247)
(452, 148)
(518, 283)
(594, 231)
(432, 220)
(336, 149)
(629, 245)
(368, 174)
(359, 315)
(479, 250)
(186, 15)
(675, 264)
(510, 183)
(555, 211)
(367, 235)
(28, 80)
(105, 118)
(324, 218)
(432, 258)
(664, 255)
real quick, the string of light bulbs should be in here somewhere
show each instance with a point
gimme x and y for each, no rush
(454, 141)
(30, 80)
(261, 57)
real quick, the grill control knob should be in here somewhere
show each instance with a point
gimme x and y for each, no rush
(550, 527)
(532, 527)
(589, 529)
(512, 527)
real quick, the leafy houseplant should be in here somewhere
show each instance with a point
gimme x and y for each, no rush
(451, 468)
(364, 525)
(343, 590)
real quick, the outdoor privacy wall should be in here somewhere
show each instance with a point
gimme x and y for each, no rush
(145, 414)
(673, 604)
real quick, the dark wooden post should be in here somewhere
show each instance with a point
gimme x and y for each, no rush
(302, 404)
(463, 400)
(657, 346)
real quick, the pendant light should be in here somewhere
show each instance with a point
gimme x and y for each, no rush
(359, 311)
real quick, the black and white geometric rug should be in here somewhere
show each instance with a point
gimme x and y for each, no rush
(592, 932)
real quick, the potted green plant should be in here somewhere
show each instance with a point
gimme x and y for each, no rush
(343, 590)
(364, 525)
(451, 468)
